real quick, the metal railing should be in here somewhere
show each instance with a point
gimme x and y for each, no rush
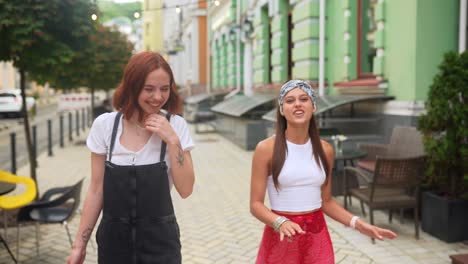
(46, 135)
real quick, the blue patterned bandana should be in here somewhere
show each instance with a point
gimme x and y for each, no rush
(292, 84)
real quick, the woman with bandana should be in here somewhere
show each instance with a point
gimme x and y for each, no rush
(295, 166)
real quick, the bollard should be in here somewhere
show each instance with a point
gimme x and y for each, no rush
(13, 152)
(49, 137)
(61, 131)
(34, 142)
(83, 119)
(70, 129)
(77, 117)
(90, 116)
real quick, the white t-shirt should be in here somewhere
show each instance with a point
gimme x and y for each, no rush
(99, 138)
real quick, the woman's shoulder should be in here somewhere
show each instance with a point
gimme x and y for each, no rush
(327, 148)
(105, 120)
(106, 117)
(178, 122)
(326, 145)
(177, 118)
(266, 146)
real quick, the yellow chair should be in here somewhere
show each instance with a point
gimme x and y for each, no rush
(8, 202)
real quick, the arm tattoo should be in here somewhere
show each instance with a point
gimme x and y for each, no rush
(180, 156)
(86, 234)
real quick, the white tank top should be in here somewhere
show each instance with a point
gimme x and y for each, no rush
(300, 181)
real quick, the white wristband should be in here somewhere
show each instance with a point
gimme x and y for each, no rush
(353, 221)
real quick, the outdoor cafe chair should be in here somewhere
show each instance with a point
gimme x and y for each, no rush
(394, 185)
(404, 141)
(8, 202)
(57, 205)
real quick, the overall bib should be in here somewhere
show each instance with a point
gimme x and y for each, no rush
(138, 224)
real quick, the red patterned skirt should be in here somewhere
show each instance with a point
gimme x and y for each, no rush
(312, 247)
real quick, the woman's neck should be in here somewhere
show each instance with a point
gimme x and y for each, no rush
(297, 135)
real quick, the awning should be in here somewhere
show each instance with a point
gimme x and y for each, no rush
(195, 99)
(239, 104)
(328, 102)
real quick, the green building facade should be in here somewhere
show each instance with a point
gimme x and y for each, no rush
(390, 47)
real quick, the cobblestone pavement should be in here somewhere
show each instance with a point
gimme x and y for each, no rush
(215, 221)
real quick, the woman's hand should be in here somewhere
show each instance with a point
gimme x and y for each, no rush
(374, 231)
(159, 125)
(289, 229)
(77, 256)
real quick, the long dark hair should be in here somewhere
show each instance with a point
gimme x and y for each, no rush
(281, 148)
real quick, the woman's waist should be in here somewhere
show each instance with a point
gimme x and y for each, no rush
(303, 213)
(310, 219)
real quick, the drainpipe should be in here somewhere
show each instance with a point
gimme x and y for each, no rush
(322, 48)
(208, 51)
(248, 68)
(238, 45)
(462, 27)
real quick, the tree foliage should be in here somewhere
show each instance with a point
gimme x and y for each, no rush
(445, 127)
(100, 64)
(41, 37)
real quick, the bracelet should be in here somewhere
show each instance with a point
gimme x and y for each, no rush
(353, 221)
(278, 222)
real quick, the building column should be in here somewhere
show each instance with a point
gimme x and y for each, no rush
(322, 48)
(462, 27)
(248, 68)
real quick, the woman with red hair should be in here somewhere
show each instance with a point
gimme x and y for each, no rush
(137, 155)
(294, 167)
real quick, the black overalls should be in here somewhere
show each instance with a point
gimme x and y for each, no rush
(138, 225)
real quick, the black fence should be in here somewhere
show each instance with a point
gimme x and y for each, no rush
(59, 131)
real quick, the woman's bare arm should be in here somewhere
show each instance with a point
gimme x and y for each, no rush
(93, 202)
(334, 210)
(181, 169)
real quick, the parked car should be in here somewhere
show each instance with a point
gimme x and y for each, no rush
(11, 102)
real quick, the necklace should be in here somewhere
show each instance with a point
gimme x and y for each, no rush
(139, 129)
(138, 125)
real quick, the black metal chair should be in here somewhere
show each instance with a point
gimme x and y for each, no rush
(57, 205)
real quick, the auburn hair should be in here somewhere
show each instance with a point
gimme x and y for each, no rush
(280, 148)
(138, 67)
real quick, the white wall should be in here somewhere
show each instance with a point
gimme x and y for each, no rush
(8, 76)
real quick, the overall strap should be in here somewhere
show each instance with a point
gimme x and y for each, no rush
(163, 144)
(114, 133)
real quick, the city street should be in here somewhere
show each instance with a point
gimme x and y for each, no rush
(15, 125)
(216, 225)
(395, 113)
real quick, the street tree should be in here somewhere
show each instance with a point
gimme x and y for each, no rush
(100, 65)
(41, 37)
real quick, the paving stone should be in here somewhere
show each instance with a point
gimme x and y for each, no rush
(215, 222)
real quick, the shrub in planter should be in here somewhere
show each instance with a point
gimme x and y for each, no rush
(445, 133)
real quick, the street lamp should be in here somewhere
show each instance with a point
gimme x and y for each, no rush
(177, 9)
(94, 17)
(216, 2)
(136, 15)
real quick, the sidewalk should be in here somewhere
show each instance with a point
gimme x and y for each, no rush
(216, 225)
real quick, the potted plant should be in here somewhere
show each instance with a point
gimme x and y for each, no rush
(445, 135)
